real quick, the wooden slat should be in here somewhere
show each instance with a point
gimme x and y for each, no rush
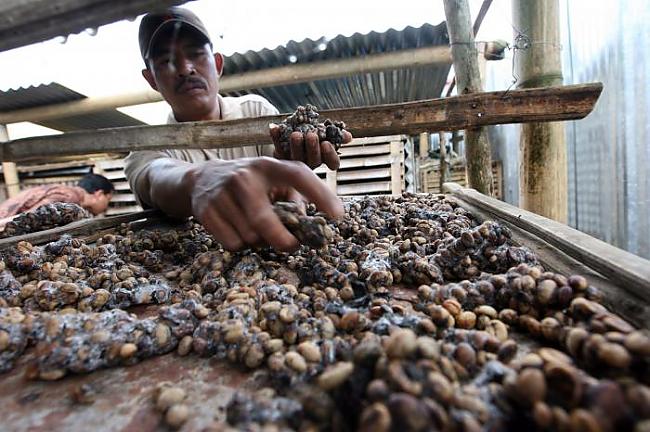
(364, 188)
(454, 113)
(119, 197)
(55, 165)
(114, 175)
(121, 185)
(123, 210)
(629, 272)
(365, 162)
(371, 149)
(397, 160)
(374, 140)
(111, 164)
(24, 22)
(364, 174)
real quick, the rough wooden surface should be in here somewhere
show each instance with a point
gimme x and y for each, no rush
(24, 22)
(459, 112)
(543, 175)
(623, 277)
(468, 77)
(82, 228)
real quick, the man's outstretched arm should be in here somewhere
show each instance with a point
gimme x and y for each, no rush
(232, 199)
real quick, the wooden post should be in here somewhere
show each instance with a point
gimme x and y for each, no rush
(444, 164)
(12, 183)
(396, 161)
(424, 145)
(464, 54)
(543, 160)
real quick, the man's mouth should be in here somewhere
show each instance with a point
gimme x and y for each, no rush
(191, 87)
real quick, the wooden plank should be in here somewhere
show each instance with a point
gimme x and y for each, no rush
(397, 161)
(365, 162)
(123, 210)
(620, 267)
(459, 112)
(114, 175)
(110, 164)
(121, 186)
(79, 228)
(364, 188)
(121, 197)
(372, 149)
(24, 22)
(54, 165)
(358, 163)
(374, 140)
(363, 174)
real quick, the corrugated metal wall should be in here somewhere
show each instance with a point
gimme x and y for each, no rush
(609, 151)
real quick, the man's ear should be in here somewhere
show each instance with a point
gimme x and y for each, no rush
(146, 73)
(218, 61)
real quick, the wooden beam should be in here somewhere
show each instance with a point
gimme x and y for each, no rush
(9, 169)
(24, 22)
(264, 78)
(464, 53)
(625, 277)
(517, 106)
(543, 177)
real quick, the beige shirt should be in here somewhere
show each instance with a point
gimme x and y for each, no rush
(232, 108)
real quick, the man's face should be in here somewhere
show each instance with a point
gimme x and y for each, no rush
(183, 69)
(97, 202)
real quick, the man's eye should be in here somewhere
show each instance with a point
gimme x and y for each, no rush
(163, 61)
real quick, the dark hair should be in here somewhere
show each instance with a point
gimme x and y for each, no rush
(94, 182)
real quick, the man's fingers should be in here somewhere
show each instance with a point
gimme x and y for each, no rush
(329, 155)
(222, 231)
(301, 178)
(252, 196)
(275, 133)
(230, 211)
(347, 136)
(312, 148)
(297, 145)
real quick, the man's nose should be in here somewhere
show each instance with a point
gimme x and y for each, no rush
(184, 66)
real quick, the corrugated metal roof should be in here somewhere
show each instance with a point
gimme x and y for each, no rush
(54, 93)
(392, 86)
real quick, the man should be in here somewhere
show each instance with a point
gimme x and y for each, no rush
(228, 190)
(93, 192)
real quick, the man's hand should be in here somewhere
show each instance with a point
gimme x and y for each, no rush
(306, 148)
(232, 199)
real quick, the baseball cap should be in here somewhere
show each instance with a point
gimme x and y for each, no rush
(153, 25)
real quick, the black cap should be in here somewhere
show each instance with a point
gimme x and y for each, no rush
(154, 25)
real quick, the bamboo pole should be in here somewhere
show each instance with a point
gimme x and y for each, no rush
(543, 160)
(9, 170)
(292, 74)
(464, 54)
